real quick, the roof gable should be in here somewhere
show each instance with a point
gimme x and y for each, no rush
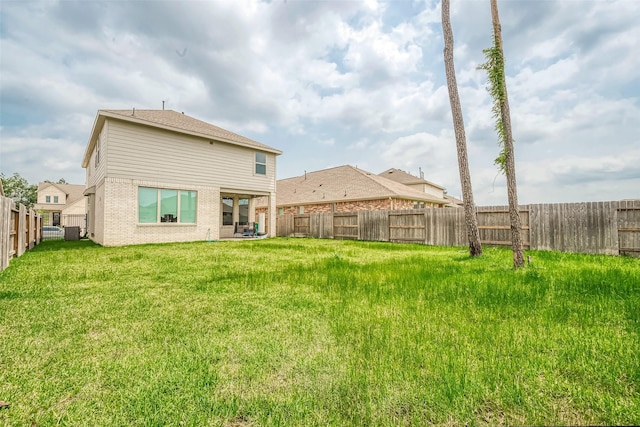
(344, 183)
(171, 121)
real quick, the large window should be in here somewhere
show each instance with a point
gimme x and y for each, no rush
(162, 205)
(261, 164)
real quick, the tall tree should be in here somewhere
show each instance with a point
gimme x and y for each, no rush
(475, 247)
(17, 188)
(506, 160)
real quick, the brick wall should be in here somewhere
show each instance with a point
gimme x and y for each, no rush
(120, 214)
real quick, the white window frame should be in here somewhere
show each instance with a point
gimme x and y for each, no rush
(260, 163)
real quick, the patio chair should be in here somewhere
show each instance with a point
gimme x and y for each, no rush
(247, 230)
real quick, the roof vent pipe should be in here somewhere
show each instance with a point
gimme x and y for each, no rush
(134, 111)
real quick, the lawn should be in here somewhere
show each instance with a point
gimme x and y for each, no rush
(303, 332)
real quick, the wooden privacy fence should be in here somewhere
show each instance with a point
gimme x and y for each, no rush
(20, 230)
(594, 227)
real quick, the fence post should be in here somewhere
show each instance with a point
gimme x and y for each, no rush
(20, 230)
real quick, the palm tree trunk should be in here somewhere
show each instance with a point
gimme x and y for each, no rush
(475, 248)
(512, 189)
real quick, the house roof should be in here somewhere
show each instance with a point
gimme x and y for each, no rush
(344, 183)
(405, 178)
(172, 121)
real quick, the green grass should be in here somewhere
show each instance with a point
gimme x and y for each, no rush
(316, 332)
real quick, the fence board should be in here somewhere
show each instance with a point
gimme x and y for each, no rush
(6, 235)
(374, 225)
(629, 228)
(284, 225)
(407, 226)
(345, 225)
(445, 227)
(302, 225)
(22, 230)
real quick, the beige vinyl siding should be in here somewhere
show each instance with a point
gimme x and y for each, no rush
(428, 189)
(144, 153)
(79, 207)
(96, 173)
(52, 192)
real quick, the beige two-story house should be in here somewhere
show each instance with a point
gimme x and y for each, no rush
(157, 176)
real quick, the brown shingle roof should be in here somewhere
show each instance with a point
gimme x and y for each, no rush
(344, 183)
(173, 121)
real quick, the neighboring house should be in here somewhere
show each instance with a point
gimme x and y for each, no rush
(61, 204)
(161, 176)
(454, 201)
(421, 184)
(347, 189)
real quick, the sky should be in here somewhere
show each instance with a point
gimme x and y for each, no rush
(336, 82)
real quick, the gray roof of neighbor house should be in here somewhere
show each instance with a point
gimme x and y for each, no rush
(73, 192)
(406, 178)
(344, 183)
(172, 121)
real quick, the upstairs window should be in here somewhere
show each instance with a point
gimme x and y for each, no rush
(55, 199)
(261, 164)
(162, 205)
(48, 199)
